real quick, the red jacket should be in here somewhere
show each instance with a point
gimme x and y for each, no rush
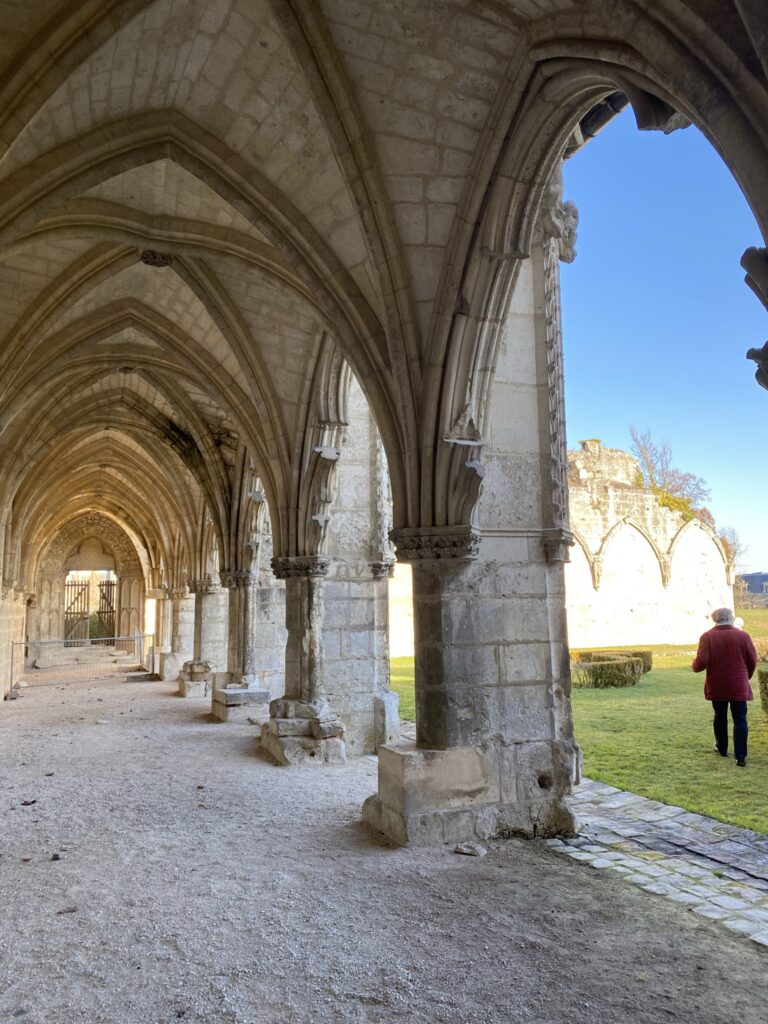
(729, 656)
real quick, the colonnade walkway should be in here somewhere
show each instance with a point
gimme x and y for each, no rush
(155, 868)
(719, 871)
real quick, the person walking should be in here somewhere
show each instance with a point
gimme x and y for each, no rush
(729, 656)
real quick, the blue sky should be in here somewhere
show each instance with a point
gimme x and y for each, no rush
(657, 317)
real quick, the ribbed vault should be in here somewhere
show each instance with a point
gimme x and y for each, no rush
(201, 201)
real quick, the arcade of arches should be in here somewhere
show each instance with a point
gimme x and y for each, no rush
(279, 304)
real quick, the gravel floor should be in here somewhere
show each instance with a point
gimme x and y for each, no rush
(165, 872)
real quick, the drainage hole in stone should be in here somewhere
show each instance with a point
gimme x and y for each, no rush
(545, 781)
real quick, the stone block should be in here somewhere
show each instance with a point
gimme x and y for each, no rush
(420, 802)
(430, 828)
(525, 662)
(290, 726)
(256, 715)
(334, 751)
(282, 708)
(293, 750)
(232, 696)
(170, 666)
(325, 730)
(413, 780)
(527, 772)
(318, 709)
(386, 719)
(194, 687)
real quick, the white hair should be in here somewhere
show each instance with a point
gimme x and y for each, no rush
(722, 616)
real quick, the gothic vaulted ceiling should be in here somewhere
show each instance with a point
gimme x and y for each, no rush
(197, 197)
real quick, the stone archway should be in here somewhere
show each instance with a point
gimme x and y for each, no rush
(74, 546)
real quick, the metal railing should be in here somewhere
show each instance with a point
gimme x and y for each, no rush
(45, 662)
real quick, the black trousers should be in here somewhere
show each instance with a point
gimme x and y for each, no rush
(740, 730)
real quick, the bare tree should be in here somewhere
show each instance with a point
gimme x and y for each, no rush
(734, 546)
(664, 479)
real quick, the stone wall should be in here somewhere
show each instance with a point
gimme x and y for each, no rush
(638, 574)
(12, 612)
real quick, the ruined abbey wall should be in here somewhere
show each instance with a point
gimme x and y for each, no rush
(638, 572)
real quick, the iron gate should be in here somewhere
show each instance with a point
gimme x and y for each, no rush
(105, 613)
(76, 625)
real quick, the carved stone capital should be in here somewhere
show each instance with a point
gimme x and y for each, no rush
(415, 544)
(556, 544)
(238, 579)
(308, 565)
(178, 593)
(382, 569)
(204, 587)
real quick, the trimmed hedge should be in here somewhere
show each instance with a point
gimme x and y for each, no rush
(601, 669)
(761, 646)
(646, 657)
(762, 677)
(611, 672)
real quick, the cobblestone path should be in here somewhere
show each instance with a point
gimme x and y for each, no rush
(720, 871)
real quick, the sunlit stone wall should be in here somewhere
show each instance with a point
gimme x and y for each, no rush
(639, 574)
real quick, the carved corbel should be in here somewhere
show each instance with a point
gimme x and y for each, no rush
(465, 468)
(321, 484)
(286, 568)
(432, 543)
(556, 544)
(381, 570)
(755, 262)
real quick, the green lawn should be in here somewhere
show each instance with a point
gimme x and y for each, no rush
(755, 620)
(656, 738)
(401, 681)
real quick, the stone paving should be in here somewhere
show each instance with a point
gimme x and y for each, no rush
(720, 871)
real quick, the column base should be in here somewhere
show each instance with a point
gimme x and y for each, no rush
(299, 732)
(427, 797)
(195, 679)
(236, 703)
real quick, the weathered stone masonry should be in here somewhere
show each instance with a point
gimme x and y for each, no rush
(278, 276)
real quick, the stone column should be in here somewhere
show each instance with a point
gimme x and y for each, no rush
(494, 749)
(210, 639)
(236, 693)
(183, 623)
(302, 726)
(267, 635)
(178, 630)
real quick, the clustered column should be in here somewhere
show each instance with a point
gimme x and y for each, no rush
(210, 644)
(302, 725)
(236, 693)
(494, 747)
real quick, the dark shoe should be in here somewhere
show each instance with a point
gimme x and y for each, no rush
(741, 764)
(719, 751)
